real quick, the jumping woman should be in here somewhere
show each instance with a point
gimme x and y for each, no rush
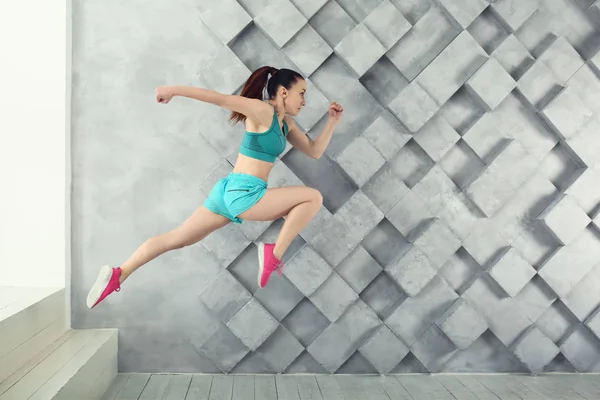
(243, 194)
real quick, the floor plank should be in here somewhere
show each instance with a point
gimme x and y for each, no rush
(424, 387)
(519, 388)
(329, 387)
(454, 386)
(308, 388)
(588, 386)
(592, 379)
(156, 387)
(243, 387)
(497, 387)
(199, 387)
(350, 388)
(178, 387)
(394, 388)
(134, 387)
(264, 387)
(287, 387)
(372, 388)
(554, 387)
(536, 386)
(222, 387)
(479, 390)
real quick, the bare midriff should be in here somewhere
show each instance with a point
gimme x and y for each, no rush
(251, 166)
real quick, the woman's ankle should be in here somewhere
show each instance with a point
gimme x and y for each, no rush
(123, 277)
(278, 253)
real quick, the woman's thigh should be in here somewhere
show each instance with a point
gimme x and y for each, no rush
(278, 202)
(199, 225)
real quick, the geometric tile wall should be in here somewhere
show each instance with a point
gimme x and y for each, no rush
(460, 230)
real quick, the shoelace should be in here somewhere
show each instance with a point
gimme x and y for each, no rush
(277, 267)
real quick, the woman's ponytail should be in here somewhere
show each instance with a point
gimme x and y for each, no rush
(254, 88)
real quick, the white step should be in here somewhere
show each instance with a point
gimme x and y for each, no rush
(14, 299)
(81, 364)
(40, 358)
(30, 320)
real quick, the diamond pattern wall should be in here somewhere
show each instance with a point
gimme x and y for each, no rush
(461, 222)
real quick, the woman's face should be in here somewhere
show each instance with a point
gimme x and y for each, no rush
(294, 97)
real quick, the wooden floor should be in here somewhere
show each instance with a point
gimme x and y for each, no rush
(353, 387)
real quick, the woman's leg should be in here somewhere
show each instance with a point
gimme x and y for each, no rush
(199, 225)
(299, 203)
(195, 228)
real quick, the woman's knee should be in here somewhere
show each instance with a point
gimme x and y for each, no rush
(317, 197)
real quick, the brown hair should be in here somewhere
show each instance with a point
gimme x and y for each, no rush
(254, 86)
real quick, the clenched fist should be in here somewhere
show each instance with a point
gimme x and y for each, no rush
(335, 111)
(164, 94)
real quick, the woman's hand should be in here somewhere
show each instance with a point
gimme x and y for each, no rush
(164, 94)
(335, 111)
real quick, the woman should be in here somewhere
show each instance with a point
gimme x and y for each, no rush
(243, 194)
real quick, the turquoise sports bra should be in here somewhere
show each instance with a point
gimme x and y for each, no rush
(265, 146)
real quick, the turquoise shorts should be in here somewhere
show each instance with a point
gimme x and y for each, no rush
(235, 194)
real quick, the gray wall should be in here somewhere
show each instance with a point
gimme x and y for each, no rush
(460, 227)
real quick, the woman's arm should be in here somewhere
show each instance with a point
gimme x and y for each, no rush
(299, 139)
(303, 142)
(252, 108)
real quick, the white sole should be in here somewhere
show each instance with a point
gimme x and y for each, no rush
(98, 287)
(261, 259)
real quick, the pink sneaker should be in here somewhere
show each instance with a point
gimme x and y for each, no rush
(106, 283)
(267, 263)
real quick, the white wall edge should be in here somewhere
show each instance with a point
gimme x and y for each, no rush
(68, 166)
